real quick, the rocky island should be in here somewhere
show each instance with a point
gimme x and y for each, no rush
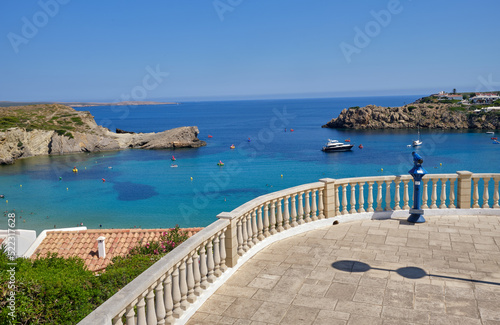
(35, 130)
(425, 115)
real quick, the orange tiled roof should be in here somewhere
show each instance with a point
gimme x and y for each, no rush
(1, 240)
(83, 243)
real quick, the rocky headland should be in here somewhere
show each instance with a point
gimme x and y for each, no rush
(57, 129)
(435, 116)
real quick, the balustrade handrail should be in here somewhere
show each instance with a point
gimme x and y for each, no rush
(239, 230)
(123, 298)
(273, 196)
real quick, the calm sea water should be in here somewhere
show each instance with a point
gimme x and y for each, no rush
(142, 190)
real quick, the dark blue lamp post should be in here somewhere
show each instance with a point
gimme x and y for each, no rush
(417, 172)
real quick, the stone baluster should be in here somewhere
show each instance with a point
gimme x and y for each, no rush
(279, 217)
(244, 228)
(307, 212)
(176, 292)
(196, 273)
(496, 194)
(239, 235)
(370, 197)
(475, 196)
(443, 193)
(434, 194)
(210, 262)
(388, 198)
(361, 197)
(353, 198)
(183, 285)
(117, 320)
(160, 302)
(314, 207)
(249, 229)
(150, 306)
(254, 227)
(301, 210)
(486, 195)
(286, 213)
(344, 199)
(406, 196)
(397, 196)
(294, 211)
(379, 196)
(141, 311)
(191, 297)
(203, 267)
(130, 314)
(273, 218)
(321, 205)
(425, 193)
(223, 266)
(260, 225)
(266, 220)
(217, 271)
(452, 193)
(169, 303)
(337, 200)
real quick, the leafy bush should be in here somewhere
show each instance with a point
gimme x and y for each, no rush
(457, 108)
(353, 107)
(77, 120)
(168, 241)
(430, 106)
(411, 108)
(55, 290)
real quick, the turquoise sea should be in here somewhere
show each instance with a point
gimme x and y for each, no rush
(142, 190)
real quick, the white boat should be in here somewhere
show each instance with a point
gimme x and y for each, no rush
(490, 132)
(334, 145)
(417, 142)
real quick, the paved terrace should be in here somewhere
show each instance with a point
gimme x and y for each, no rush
(445, 271)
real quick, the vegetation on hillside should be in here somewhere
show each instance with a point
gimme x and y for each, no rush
(55, 290)
(48, 117)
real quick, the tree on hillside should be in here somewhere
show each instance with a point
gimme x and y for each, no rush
(454, 90)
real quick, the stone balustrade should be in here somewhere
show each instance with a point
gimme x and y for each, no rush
(173, 288)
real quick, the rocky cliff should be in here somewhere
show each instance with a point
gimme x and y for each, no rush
(57, 129)
(436, 116)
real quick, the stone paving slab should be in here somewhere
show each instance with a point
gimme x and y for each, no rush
(445, 271)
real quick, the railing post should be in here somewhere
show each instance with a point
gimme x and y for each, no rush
(231, 239)
(464, 189)
(329, 197)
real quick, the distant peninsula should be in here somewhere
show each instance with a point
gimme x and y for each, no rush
(86, 104)
(428, 113)
(46, 129)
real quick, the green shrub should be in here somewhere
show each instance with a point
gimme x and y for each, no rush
(353, 107)
(430, 106)
(457, 108)
(55, 290)
(19, 144)
(77, 120)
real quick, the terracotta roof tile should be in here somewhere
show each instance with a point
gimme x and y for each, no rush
(83, 243)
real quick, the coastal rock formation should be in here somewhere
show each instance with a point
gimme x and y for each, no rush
(436, 116)
(21, 142)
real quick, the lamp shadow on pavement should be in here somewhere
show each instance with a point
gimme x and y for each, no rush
(409, 272)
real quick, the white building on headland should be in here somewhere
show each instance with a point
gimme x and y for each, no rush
(484, 98)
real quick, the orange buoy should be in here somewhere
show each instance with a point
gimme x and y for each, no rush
(209, 136)
(360, 146)
(103, 180)
(291, 130)
(347, 140)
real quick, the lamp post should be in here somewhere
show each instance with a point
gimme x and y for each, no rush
(417, 172)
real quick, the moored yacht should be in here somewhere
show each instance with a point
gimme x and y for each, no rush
(334, 145)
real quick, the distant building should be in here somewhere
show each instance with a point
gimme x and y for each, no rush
(445, 96)
(484, 98)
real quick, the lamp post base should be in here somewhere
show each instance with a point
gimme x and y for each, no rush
(416, 218)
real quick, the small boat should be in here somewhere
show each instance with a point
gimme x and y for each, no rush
(173, 166)
(232, 146)
(490, 132)
(416, 143)
(334, 145)
(173, 158)
(220, 163)
(496, 142)
(494, 138)
(347, 140)
(249, 140)
(210, 136)
(360, 146)
(2, 196)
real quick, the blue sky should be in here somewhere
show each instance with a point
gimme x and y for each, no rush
(69, 50)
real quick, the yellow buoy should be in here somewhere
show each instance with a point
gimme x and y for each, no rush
(281, 175)
(381, 169)
(191, 178)
(6, 201)
(67, 189)
(21, 185)
(440, 164)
